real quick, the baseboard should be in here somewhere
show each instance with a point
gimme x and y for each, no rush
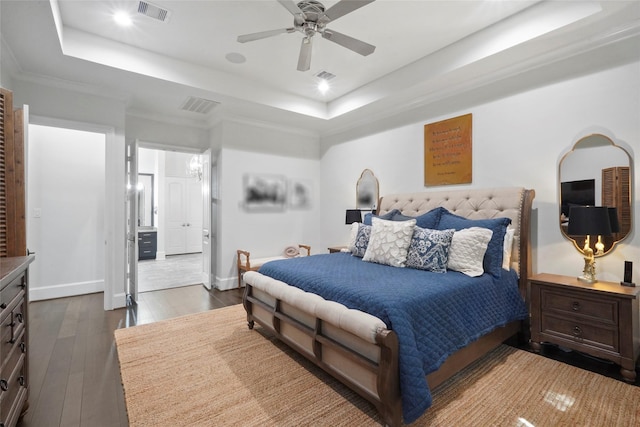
(65, 290)
(226, 283)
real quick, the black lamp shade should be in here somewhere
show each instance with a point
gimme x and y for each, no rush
(613, 220)
(353, 215)
(589, 221)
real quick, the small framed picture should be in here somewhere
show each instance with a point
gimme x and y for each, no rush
(265, 192)
(300, 193)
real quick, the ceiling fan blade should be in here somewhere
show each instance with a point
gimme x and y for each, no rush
(349, 42)
(304, 60)
(291, 7)
(345, 6)
(263, 34)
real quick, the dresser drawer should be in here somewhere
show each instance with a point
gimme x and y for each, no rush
(12, 328)
(581, 333)
(579, 305)
(8, 294)
(14, 352)
(13, 392)
(5, 341)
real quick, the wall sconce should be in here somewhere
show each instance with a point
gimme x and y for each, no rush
(589, 221)
(353, 215)
(194, 168)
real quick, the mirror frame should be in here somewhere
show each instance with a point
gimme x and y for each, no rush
(367, 188)
(141, 214)
(579, 245)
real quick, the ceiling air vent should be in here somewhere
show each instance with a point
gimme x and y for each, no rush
(325, 75)
(153, 11)
(198, 105)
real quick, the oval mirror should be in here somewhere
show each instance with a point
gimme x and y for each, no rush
(367, 191)
(596, 172)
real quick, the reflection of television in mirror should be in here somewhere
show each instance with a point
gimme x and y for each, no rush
(580, 193)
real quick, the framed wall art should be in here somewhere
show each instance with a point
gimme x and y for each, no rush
(265, 192)
(447, 152)
(300, 193)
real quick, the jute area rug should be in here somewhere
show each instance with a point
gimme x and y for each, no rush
(209, 369)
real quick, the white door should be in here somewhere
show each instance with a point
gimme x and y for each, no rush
(131, 152)
(206, 219)
(175, 223)
(193, 215)
(184, 215)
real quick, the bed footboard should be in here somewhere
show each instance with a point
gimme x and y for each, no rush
(352, 346)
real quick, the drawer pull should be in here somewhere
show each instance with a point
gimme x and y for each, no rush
(19, 317)
(21, 380)
(575, 306)
(23, 347)
(4, 386)
(577, 332)
(3, 305)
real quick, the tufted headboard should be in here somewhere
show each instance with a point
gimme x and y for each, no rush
(511, 202)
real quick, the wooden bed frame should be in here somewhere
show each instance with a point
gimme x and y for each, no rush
(365, 357)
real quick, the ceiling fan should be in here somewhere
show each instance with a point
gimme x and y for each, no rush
(309, 18)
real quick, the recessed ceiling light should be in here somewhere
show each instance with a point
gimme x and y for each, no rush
(122, 18)
(235, 58)
(323, 86)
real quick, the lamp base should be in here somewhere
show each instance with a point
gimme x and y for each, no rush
(629, 284)
(587, 279)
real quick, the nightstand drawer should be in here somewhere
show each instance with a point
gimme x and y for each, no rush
(578, 305)
(582, 333)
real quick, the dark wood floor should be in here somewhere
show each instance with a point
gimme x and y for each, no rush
(74, 374)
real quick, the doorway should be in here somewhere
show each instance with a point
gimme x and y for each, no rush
(66, 220)
(170, 224)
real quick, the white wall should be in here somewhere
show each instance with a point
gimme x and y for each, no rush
(518, 141)
(165, 133)
(263, 233)
(251, 148)
(65, 218)
(63, 107)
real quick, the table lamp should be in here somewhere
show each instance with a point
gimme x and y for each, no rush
(589, 221)
(353, 215)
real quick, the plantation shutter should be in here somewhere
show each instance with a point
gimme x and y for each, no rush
(12, 176)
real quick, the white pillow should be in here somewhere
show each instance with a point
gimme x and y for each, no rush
(467, 250)
(352, 236)
(506, 248)
(389, 242)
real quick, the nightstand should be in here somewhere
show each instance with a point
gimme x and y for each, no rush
(333, 249)
(600, 319)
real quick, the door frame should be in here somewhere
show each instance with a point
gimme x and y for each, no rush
(207, 264)
(131, 170)
(114, 239)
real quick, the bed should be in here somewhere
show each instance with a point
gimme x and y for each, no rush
(389, 353)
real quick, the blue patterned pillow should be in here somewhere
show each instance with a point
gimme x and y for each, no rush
(362, 240)
(429, 249)
(493, 256)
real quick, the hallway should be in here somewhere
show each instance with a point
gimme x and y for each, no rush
(172, 272)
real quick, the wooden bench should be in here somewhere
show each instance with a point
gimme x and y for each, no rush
(245, 264)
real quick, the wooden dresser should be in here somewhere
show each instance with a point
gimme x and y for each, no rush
(600, 319)
(14, 368)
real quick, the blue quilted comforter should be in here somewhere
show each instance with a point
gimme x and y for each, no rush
(433, 314)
